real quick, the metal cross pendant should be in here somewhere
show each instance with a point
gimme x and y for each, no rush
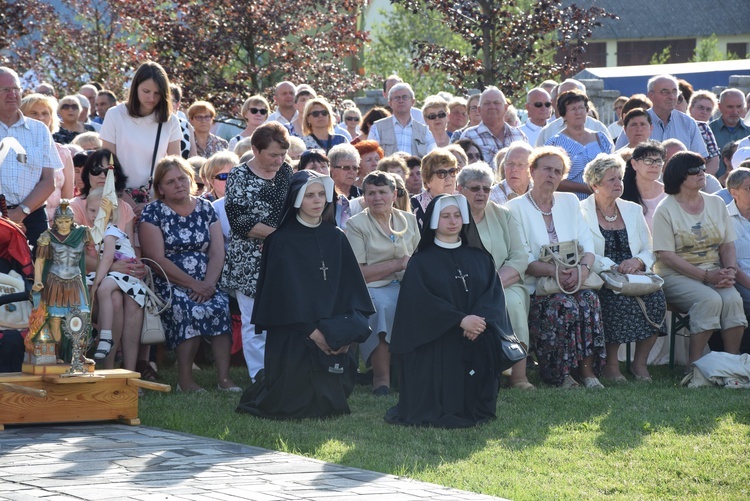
(462, 277)
(323, 268)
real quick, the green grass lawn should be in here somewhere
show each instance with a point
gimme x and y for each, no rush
(633, 441)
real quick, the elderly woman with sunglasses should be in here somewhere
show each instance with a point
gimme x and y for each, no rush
(694, 241)
(317, 126)
(69, 109)
(255, 111)
(201, 116)
(435, 113)
(344, 163)
(514, 173)
(501, 236)
(439, 171)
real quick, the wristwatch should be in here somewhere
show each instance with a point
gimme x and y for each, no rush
(25, 209)
(587, 266)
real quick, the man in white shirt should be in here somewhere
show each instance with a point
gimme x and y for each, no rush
(401, 132)
(539, 109)
(388, 84)
(283, 96)
(26, 178)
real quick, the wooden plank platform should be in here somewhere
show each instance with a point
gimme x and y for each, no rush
(102, 396)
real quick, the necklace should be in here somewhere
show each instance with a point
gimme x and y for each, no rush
(610, 219)
(533, 203)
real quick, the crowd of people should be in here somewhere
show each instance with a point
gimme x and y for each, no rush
(318, 239)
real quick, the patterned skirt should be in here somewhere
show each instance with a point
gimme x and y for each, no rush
(564, 329)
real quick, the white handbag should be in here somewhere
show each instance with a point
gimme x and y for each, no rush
(13, 315)
(152, 331)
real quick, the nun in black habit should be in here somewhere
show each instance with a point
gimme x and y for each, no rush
(313, 302)
(449, 319)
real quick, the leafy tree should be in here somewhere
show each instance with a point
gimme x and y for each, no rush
(83, 40)
(511, 40)
(12, 26)
(708, 50)
(662, 57)
(392, 50)
(227, 50)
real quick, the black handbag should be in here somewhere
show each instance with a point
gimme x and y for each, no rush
(511, 351)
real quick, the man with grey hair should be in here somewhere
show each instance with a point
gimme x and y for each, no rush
(492, 134)
(388, 84)
(668, 122)
(283, 96)
(401, 132)
(84, 116)
(46, 88)
(729, 127)
(89, 90)
(28, 160)
(539, 109)
(557, 125)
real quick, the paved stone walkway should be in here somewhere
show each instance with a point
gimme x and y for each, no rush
(118, 463)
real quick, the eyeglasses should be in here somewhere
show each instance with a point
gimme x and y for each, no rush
(97, 171)
(203, 118)
(694, 171)
(352, 119)
(346, 167)
(222, 177)
(68, 106)
(319, 113)
(255, 111)
(477, 189)
(539, 105)
(442, 173)
(652, 161)
(9, 90)
(668, 92)
(704, 109)
(404, 97)
(433, 116)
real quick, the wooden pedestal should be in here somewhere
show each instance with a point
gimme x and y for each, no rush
(101, 396)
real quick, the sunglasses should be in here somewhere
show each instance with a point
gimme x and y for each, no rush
(433, 116)
(345, 167)
(255, 111)
(477, 189)
(442, 173)
(352, 119)
(692, 171)
(96, 170)
(319, 113)
(222, 177)
(539, 105)
(67, 106)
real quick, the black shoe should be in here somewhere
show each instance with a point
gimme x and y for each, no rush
(381, 391)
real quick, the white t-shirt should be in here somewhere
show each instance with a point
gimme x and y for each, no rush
(134, 139)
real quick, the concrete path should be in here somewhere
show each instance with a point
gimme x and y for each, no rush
(118, 463)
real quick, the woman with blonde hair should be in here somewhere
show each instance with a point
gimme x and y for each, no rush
(255, 111)
(317, 126)
(44, 109)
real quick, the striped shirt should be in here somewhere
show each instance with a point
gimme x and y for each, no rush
(580, 154)
(19, 176)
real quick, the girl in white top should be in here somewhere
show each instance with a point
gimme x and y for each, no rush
(130, 129)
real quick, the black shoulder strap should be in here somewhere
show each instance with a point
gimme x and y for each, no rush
(153, 158)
